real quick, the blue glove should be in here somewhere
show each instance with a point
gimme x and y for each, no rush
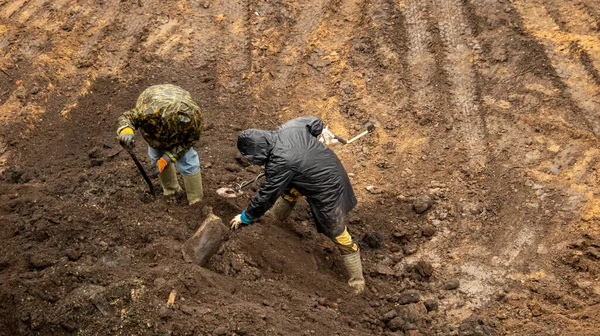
(245, 218)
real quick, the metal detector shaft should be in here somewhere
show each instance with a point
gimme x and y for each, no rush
(245, 184)
(140, 168)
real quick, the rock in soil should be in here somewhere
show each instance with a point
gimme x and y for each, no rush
(424, 268)
(95, 153)
(451, 284)
(408, 296)
(40, 261)
(384, 270)
(422, 204)
(413, 313)
(400, 234)
(410, 249)
(431, 305)
(165, 313)
(428, 231)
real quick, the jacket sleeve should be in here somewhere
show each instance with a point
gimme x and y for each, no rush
(277, 178)
(131, 118)
(314, 124)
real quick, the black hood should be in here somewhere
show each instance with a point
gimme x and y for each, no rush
(255, 145)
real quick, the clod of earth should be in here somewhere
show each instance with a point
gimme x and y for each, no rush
(389, 315)
(410, 249)
(409, 296)
(206, 241)
(384, 270)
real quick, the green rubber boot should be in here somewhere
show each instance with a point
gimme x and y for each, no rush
(354, 268)
(168, 180)
(193, 187)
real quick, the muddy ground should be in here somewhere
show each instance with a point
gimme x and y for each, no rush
(479, 197)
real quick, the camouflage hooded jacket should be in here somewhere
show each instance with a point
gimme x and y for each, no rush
(167, 117)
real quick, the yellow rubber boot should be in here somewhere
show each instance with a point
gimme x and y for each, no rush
(281, 210)
(168, 180)
(354, 267)
(193, 187)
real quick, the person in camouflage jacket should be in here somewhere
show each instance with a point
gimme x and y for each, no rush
(170, 122)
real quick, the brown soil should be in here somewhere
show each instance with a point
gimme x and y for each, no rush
(487, 110)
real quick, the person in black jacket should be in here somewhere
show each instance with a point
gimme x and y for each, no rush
(297, 164)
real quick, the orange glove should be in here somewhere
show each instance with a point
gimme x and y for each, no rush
(163, 162)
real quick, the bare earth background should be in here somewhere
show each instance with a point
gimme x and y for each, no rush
(487, 110)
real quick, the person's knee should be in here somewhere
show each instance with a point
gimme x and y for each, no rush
(190, 163)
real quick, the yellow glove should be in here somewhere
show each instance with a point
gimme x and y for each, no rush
(126, 136)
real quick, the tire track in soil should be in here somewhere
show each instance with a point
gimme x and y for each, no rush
(459, 44)
(233, 60)
(161, 32)
(421, 60)
(50, 16)
(385, 96)
(592, 9)
(580, 84)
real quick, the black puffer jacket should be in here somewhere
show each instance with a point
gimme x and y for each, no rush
(294, 158)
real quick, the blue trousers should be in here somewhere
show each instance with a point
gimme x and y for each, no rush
(187, 165)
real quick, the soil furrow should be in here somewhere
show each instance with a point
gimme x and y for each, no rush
(581, 85)
(233, 62)
(287, 62)
(584, 27)
(32, 8)
(12, 8)
(162, 32)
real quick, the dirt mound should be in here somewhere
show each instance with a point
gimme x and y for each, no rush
(478, 192)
